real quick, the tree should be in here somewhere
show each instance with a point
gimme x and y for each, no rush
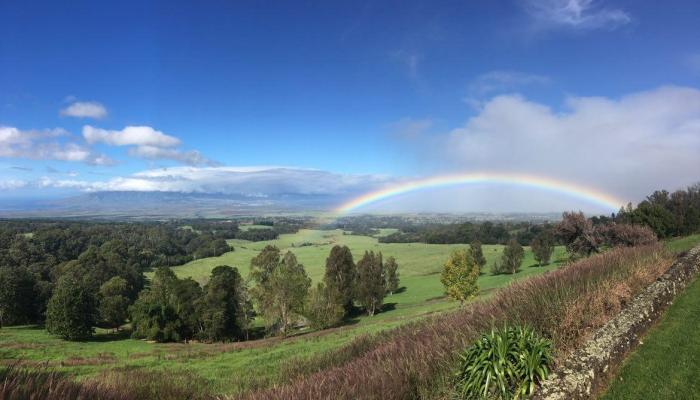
(221, 308)
(578, 234)
(512, 257)
(478, 254)
(17, 294)
(262, 265)
(542, 247)
(281, 289)
(324, 307)
(460, 274)
(113, 302)
(166, 310)
(72, 310)
(341, 273)
(370, 286)
(391, 268)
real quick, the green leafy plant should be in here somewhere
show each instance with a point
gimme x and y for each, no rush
(504, 364)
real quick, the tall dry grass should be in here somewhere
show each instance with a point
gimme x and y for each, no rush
(566, 305)
(45, 384)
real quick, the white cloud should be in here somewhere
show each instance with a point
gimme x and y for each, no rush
(44, 145)
(85, 109)
(628, 146)
(129, 136)
(12, 184)
(575, 14)
(192, 157)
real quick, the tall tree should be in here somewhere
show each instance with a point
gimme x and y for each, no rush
(478, 253)
(281, 291)
(341, 273)
(460, 274)
(391, 268)
(221, 308)
(17, 294)
(72, 310)
(513, 255)
(324, 307)
(370, 286)
(262, 265)
(113, 302)
(542, 247)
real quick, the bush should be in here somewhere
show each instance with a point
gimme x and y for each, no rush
(627, 235)
(505, 363)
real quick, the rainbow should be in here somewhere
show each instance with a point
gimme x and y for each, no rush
(588, 194)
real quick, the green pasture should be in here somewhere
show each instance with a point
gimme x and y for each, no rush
(231, 368)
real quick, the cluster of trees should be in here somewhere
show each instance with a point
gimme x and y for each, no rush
(38, 259)
(283, 292)
(467, 232)
(667, 214)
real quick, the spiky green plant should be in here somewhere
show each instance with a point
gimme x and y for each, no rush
(504, 364)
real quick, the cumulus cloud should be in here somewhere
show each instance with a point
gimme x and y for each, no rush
(85, 109)
(575, 14)
(147, 143)
(12, 184)
(129, 136)
(248, 181)
(45, 145)
(627, 146)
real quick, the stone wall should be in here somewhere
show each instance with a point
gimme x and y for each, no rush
(587, 370)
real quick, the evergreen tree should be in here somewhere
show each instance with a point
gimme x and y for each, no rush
(542, 247)
(478, 254)
(370, 286)
(341, 273)
(17, 294)
(391, 269)
(512, 257)
(165, 311)
(460, 274)
(72, 310)
(113, 302)
(281, 290)
(221, 308)
(324, 308)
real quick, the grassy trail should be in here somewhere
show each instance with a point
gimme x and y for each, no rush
(667, 364)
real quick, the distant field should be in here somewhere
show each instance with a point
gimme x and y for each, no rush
(666, 366)
(235, 367)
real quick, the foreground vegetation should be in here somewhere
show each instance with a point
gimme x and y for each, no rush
(665, 366)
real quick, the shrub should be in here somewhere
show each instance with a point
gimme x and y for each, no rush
(626, 235)
(505, 363)
(459, 275)
(512, 257)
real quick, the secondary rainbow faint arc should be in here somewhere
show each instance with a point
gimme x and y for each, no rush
(538, 182)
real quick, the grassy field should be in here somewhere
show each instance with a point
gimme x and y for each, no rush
(239, 366)
(681, 244)
(667, 364)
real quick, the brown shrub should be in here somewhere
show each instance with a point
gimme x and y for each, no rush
(626, 235)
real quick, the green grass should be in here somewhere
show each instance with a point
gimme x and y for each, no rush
(232, 368)
(667, 364)
(681, 244)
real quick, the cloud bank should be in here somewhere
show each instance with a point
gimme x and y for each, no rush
(628, 146)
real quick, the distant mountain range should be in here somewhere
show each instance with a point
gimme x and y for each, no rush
(165, 205)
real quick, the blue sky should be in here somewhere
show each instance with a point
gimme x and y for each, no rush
(382, 90)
